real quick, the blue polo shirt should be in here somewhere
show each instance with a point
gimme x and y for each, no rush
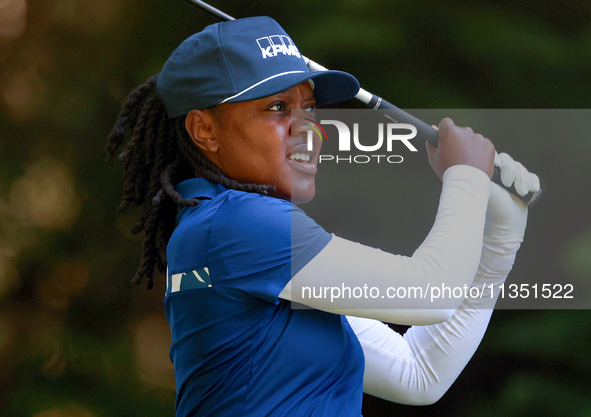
(237, 349)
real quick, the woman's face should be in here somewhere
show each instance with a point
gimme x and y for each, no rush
(256, 143)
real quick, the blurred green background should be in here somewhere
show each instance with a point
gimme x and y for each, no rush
(77, 339)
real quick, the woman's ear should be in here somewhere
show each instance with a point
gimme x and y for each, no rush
(200, 125)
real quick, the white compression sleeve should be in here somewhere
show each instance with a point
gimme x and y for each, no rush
(420, 366)
(448, 256)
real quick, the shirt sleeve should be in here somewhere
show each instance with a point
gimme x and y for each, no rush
(257, 243)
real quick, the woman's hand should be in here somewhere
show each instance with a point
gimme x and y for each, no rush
(460, 146)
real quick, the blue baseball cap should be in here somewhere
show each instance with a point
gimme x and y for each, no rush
(242, 60)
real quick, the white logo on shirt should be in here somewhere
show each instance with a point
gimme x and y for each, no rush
(198, 278)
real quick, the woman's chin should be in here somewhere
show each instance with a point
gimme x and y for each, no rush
(302, 196)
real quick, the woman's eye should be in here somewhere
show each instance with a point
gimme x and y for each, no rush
(277, 107)
(311, 108)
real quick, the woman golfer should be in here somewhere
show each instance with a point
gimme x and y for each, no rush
(212, 133)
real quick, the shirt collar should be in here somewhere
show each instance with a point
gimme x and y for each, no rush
(199, 188)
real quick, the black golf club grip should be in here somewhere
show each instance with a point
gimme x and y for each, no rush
(426, 132)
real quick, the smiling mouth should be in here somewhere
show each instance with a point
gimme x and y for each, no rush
(300, 157)
(301, 160)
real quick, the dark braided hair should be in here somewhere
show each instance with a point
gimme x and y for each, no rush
(159, 154)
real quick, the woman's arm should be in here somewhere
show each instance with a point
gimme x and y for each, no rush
(419, 367)
(449, 256)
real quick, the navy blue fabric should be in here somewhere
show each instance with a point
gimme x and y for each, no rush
(237, 348)
(248, 58)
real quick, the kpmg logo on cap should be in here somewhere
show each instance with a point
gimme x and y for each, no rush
(276, 44)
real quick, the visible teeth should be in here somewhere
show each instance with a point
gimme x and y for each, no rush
(300, 156)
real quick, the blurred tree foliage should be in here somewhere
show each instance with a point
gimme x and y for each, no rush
(76, 339)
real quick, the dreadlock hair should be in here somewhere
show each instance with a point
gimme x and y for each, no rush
(158, 155)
